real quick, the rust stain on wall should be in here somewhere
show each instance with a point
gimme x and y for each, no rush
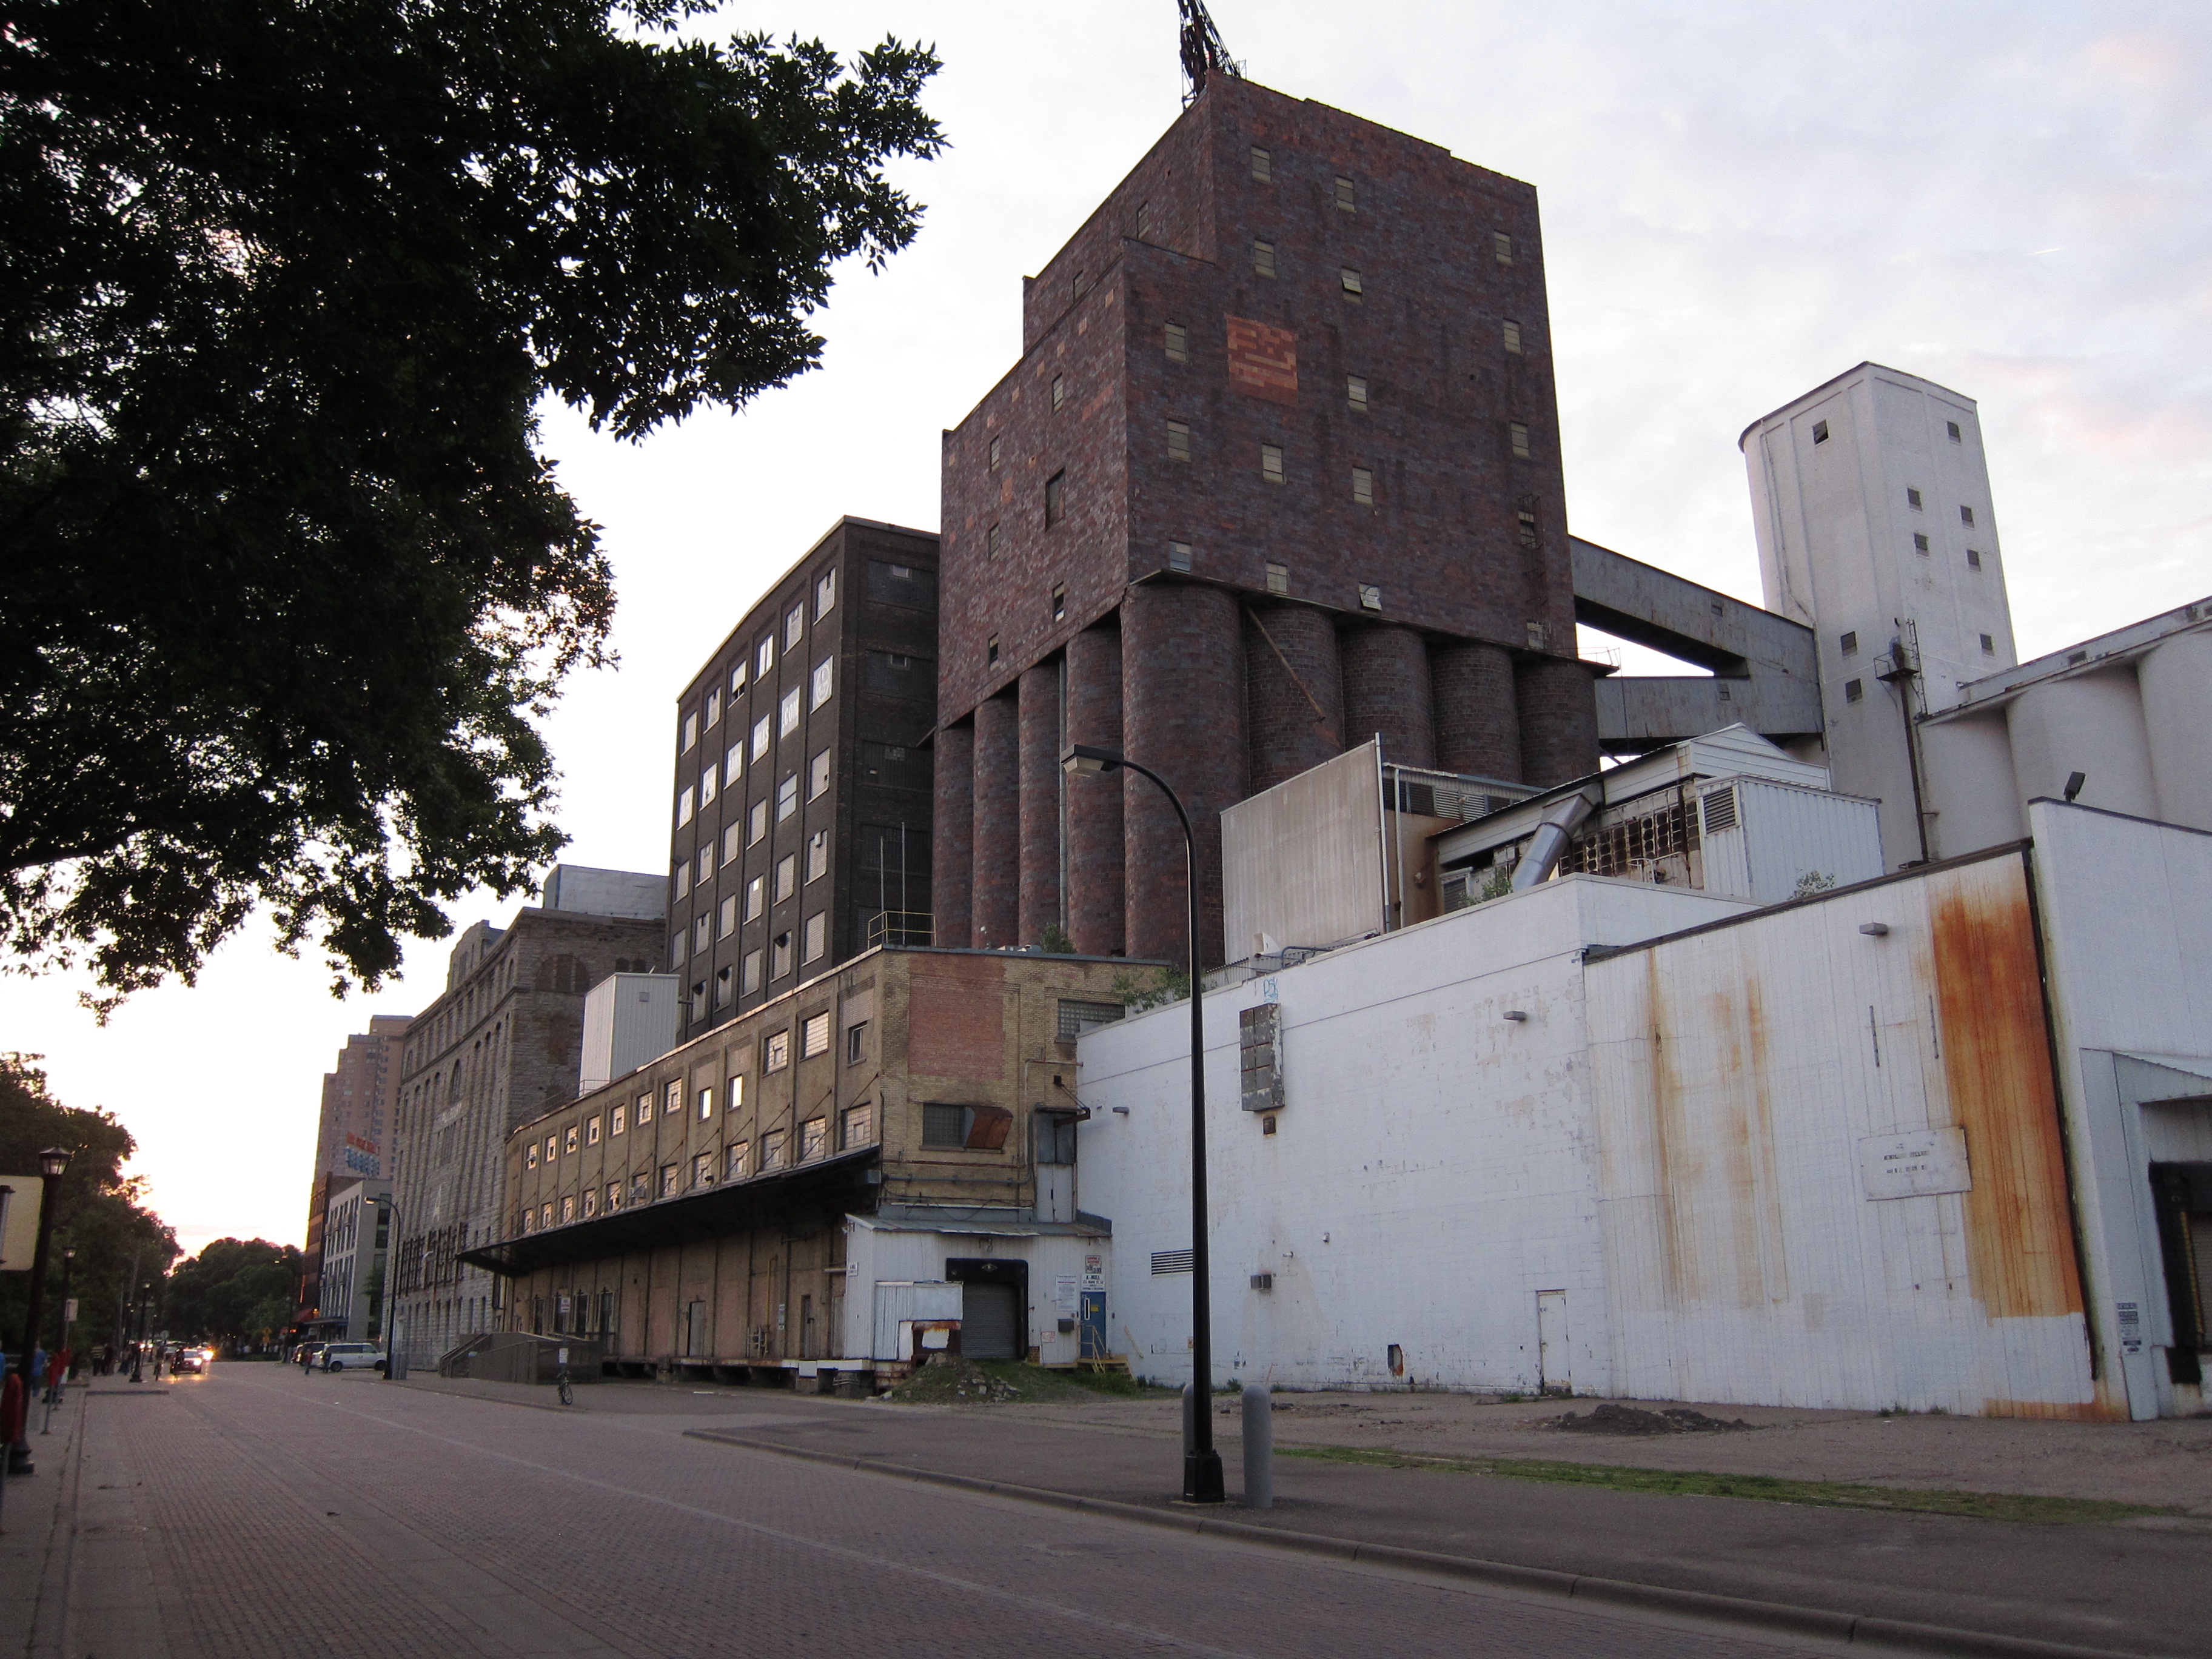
(1996, 1063)
(1668, 1131)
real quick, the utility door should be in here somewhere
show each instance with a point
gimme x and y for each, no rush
(1091, 1323)
(990, 1322)
(694, 1330)
(1554, 1372)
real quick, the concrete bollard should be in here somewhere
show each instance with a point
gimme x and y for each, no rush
(1259, 1447)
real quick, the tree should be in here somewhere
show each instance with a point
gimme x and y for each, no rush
(284, 575)
(97, 1209)
(234, 1291)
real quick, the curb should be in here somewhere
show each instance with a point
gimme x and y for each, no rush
(1895, 1635)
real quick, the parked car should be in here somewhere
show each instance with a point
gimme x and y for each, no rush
(352, 1356)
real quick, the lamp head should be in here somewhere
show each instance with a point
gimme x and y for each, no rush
(53, 1161)
(1082, 760)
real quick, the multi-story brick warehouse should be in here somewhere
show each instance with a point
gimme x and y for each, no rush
(502, 1044)
(770, 1194)
(802, 794)
(1278, 471)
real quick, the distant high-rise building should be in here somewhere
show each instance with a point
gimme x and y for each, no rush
(1278, 471)
(360, 1101)
(1870, 497)
(801, 810)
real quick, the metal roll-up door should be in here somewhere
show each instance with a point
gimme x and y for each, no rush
(990, 1322)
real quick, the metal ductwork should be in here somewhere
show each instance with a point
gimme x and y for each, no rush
(1553, 831)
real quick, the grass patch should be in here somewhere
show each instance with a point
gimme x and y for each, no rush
(1693, 1482)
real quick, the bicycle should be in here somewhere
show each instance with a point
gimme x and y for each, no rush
(560, 1379)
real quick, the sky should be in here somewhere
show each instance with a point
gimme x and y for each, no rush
(1739, 202)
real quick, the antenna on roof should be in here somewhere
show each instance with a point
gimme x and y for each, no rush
(1203, 52)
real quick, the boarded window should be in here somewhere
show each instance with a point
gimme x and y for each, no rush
(1348, 279)
(813, 1138)
(1501, 247)
(776, 1051)
(1517, 434)
(1059, 391)
(1179, 556)
(825, 680)
(1355, 392)
(1512, 336)
(815, 1039)
(1278, 578)
(1347, 200)
(1263, 164)
(818, 776)
(1178, 441)
(1271, 463)
(1178, 344)
(1263, 257)
(786, 713)
(1363, 486)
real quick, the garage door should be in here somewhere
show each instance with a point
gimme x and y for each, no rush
(990, 1322)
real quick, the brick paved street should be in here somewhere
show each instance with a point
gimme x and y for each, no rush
(287, 1516)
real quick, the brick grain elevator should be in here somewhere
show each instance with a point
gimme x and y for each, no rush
(1278, 472)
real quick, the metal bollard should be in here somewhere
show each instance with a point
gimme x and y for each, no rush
(1259, 1447)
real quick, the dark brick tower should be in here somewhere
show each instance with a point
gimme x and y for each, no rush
(1278, 471)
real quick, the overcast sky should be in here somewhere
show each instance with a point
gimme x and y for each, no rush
(1739, 202)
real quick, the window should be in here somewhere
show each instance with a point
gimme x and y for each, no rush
(529, 1156)
(764, 656)
(1854, 690)
(1355, 392)
(1513, 336)
(724, 992)
(737, 676)
(1056, 495)
(759, 737)
(1278, 578)
(728, 917)
(817, 855)
(1345, 201)
(1263, 165)
(1178, 344)
(778, 959)
(684, 878)
(1076, 1017)
(818, 776)
(640, 1187)
(787, 797)
(674, 1102)
(683, 807)
(771, 1150)
(1178, 441)
(776, 1051)
(1820, 432)
(813, 1138)
(991, 542)
(824, 674)
(1059, 391)
(787, 877)
(546, 1215)
(735, 1096)
(991, 652)
(552, 1147)
(671, 1175)
(702, 1170)
(1370, 596)
(614, 1195)
(644, 1110)
(752, 972)
(1263, 257)
(1912, 498)
(1966, 515)
(814, 1036)
(615, 1120)
(816, 941)
(699, 935)
(1271, 463)
(591, 1131)
(733, 762)
(1179, 556)
(944, 1126)
(1517, 434)
(1348, 279)
(738, 1156)
(1952, 427)
(1973, 558)
(1075, 289)
(1919, 543)
(714, 707)
(1989, 646)
(756, 824)
(732, 838)
(1848, 644)
(706, 1104)
(690, 733)
(706, 781)
(786, 714)
(978, 1128)
(794, 627)
(1501, 247)
(591, 1202)
(1363, 486)
(1144, 219)
(994, 455)
(856, 1127)
(856, 1043)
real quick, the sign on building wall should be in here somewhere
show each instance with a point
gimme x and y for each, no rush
(1915, 1165)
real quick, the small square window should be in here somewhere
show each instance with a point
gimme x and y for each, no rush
(825, 680)
(1349, 280)
(1055, 498)
(776, 1051)
(1973, 558)
(815, 1036)
(787, 797)
(816, 942)
(1263, 165)
(1850, 643)
(1952, 427)
(1363, 486)
(617, 1120)
(786, 714)
(1919, 543)
(1912, 498)
(760, 737)
(1178, 441)
(1989, 646)
(1513, 336)
(1854, 690)
(818, 776)
(1179, 557)
(994, 455)
(794, 627)
(1820, 432)
(1271, 463)
(1966, 515)
(856, 1127)
(771, 1150)
(1355, 392)
(1346, 199)
(756, 824)
(856, 1043)
(592, 1130)
(1178, 344)
(690, 734)
(813, 1138)
(1060, 601)
(1501, 247)
(825, 593)
(1059, 391)
(1278, 578)
(991, 652)
(787, 877)
(1263, 257)
(1370, 596)
(991, 543)
(644, 1109)
(736, 1160)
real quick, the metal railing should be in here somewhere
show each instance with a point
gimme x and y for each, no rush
(908, 929)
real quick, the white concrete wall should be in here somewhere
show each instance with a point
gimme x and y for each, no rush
(1973, 800)
(2092, 724)
(902, 1253)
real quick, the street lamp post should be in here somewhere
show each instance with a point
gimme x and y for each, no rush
(54, 1378)
(53, 1163)
(1201, 1463)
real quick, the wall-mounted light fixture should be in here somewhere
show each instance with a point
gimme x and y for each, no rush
(1517, 1015)
(1873, 929)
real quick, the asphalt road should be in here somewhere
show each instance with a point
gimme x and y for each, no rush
(256, 1511)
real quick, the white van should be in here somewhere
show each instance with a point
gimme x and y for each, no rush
(352, 1356)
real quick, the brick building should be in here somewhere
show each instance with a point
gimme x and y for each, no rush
(801, 809)
(360, 1097)
(1278, 471)
(502, 1045)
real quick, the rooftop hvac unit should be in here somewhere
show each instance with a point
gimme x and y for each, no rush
(1775, 842)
